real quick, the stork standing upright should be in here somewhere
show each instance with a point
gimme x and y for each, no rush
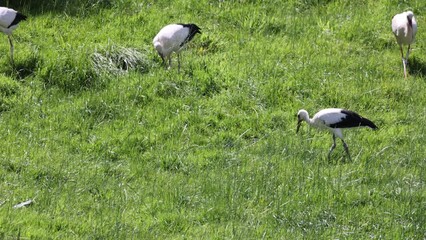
(173, 38)
(404, 27)
(334, 120)
(9, 20)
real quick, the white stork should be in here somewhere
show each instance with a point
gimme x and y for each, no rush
(404, 27)
(9, 20)
(172, 38)
(334, 120)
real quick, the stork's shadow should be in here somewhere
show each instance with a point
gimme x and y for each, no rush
(416, 67)
(54, 6)
(21, 68)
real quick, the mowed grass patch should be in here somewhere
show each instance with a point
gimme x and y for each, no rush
(131, 150)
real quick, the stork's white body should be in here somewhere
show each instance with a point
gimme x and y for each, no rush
(326, 117)
(7, 15)
(404, 27)
(405, 32)
(170, 38)
(9, 20)
(173, 38)
(334, 120)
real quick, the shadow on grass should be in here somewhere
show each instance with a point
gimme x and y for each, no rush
(71, 7)
(416, 67)
(25, 68)
(21, 69)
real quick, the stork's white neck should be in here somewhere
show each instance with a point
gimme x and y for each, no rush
(303, 114)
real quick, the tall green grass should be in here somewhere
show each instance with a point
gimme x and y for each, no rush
(110, 145)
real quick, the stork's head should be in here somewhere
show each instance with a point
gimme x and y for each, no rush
(409, 14)
(302, 115)
(159, 48)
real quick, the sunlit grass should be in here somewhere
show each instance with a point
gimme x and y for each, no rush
(110, 145)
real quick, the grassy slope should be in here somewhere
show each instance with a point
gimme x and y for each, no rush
(212, 152)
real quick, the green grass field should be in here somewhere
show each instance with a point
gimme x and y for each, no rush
(110, 145)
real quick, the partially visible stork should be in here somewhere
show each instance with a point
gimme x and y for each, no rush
(173, 38)
(404, 27)
(9, 20)
(334, 120)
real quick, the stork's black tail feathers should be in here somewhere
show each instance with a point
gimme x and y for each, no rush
(353, 119)
(193, 29)
(368, 123)
(19, 17)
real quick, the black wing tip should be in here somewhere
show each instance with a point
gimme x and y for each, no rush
(20, 16)
(369, 123)
(192, 26)
(193, 30)
(357, 120)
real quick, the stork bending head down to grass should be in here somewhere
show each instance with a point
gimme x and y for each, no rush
(9, 20)
(404, 27)
(173, 38)
(334, 120)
